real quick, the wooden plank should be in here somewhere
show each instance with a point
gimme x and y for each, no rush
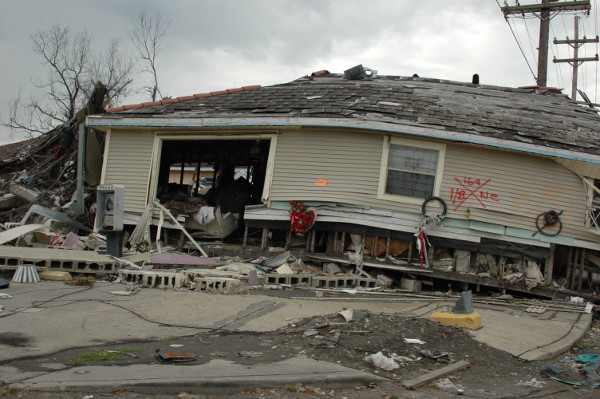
(424, 379)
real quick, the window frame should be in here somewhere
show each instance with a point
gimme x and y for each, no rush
(404, 142)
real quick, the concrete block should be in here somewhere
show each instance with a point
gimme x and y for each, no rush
(471, 321)
(24, 193)
(153, 278)
(334, 281)
(275, 278)
(410, 284)
(301, 279)
(218, 285)
(363, 282)
(57, 260)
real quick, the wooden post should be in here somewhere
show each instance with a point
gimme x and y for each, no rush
(181, 241)
(581, 265)
(342, 242)
(288, 240)
(313, 240)
(410, 249)
(549, 266)
(573, 268)
(387, 248)
(375, 244)
(245, 242)
(265, 239)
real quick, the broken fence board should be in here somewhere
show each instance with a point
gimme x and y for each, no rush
(424, 379)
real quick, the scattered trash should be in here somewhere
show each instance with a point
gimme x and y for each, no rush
(446, 385)
(442, 357)
(5, 296)
(576, 300)
(123, 293)
(534, 383)
(176, 345)
(381, 361)
(1, 308)
(167, 357)
(589, 307)
(593, 380)
(352, 315)
(4, 284)
(413, 341)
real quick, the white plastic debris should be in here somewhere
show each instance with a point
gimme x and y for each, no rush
(446, 385)
(381, 361)
(413, 341)
(534, 383)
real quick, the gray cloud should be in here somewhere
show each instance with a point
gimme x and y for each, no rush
(218, 44)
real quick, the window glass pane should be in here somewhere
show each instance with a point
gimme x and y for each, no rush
(413, 159)
(409, 184)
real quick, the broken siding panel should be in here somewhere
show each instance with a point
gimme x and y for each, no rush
(129, 163)
(525, 186)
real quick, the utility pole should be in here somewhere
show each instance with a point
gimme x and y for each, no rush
(575, 62)
(545, 9)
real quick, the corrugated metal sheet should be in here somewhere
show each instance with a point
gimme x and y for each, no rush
(26, 274)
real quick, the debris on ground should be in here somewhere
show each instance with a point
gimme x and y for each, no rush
(168, 357)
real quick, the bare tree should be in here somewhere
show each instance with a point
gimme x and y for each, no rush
(114, 69)
(73, 71)
(147, 34)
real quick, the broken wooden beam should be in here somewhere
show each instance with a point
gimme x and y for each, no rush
(425, 378)
(174, 219)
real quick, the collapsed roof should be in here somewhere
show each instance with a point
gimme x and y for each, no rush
(430, 107)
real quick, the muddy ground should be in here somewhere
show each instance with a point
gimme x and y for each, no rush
(492, 373)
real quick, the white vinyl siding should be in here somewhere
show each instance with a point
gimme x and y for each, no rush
(520, 186)
(129, 162)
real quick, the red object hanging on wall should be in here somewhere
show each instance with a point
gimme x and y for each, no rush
(301, 220)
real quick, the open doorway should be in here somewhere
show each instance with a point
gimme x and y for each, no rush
(210, 182)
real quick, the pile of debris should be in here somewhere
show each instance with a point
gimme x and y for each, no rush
(233, 275)
(40, 170)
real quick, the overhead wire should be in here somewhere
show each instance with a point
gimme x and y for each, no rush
(517, 40)
(556, 54)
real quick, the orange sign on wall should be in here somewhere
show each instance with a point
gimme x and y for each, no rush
(320, 182)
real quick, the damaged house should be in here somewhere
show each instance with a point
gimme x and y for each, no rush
(444, 181)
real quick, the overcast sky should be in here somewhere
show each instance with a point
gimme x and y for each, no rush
(219, 44)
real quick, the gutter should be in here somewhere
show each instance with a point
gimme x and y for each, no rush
(104, 122)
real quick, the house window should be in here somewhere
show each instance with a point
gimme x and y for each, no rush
(411, 170)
